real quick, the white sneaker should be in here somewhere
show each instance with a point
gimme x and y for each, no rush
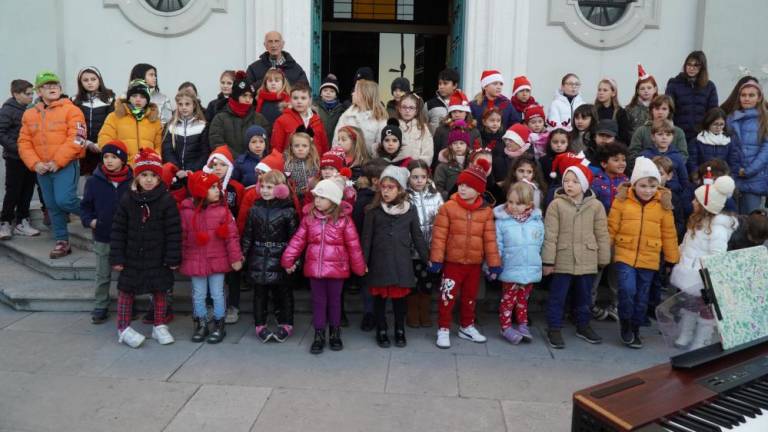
(233, 315)
(130, 337)
(162, 335)
(443, 338)
(471, 333)
(25, 229)
(5, 231)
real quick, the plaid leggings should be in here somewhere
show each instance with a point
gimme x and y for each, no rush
(125, 308)
(514, 298)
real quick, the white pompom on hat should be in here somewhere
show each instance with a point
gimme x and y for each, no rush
(713, 196)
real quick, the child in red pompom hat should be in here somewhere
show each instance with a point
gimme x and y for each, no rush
(210, 248)
(462, 238)
(333, 166)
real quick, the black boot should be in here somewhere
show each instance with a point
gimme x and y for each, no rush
(201, 330)
(626, 332)
(334, 339)
(319, 342)
(381, 338)
(218, 332)
(400, 337)
(636, 343)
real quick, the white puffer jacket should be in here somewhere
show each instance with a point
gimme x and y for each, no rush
(561, 111)
(364, 120)
(417, 144)
(685, 276)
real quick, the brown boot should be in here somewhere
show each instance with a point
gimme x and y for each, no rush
(412, 316)
(425, 306)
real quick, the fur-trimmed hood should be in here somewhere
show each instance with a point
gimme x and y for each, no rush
(663, 195)
(122, 108)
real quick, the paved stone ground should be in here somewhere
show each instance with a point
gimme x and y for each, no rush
(58, 372)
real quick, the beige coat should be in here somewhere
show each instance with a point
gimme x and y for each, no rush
(417, 144)
(576, 239)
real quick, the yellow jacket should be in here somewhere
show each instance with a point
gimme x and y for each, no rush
(122, 125)
(640, 232)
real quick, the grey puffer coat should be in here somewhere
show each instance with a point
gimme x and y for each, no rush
(426, 203)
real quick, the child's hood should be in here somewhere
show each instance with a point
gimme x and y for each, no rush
(728, 222)
(663, 195)
(501, 214)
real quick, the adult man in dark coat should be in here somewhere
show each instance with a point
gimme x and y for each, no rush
(275, 57)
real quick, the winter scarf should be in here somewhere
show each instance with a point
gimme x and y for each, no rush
(473, 206)
(116, 176)
(238, 109)
(522, 217)
(521, 106)
(268, 96)
(396, 210)
(707, 137)
(138, 113)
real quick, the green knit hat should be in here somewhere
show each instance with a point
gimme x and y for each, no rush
(46, 77)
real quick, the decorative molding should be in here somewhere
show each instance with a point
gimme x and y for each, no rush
(167, 24)
(639, 15)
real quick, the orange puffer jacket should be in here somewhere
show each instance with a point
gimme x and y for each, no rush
(52, 133)
(641, 232)
(462, 236)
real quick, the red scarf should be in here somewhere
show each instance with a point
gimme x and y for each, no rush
(467, 206)
(521, 106)
(522, 217)
(238, 109)
(268, 96)
(116, 176)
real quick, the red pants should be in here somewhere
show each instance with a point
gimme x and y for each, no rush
(125, 308)
(458, 280)
(514, 298)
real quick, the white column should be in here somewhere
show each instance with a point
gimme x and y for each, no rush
(292, 18)
(495, 37)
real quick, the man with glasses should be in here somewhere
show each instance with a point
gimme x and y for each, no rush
(275, 57)
(19, 181)
(51, 142)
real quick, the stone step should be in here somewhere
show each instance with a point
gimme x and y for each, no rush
(79, 236)
(33, 252)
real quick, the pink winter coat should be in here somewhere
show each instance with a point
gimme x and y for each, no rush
(218, 254)
(332, 247)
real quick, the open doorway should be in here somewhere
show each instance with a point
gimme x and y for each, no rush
(411, 38)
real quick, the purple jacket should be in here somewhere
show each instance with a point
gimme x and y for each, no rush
(332, 248)
(604, 186)
(218, 254)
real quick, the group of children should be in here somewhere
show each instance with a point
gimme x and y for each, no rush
(267, 186)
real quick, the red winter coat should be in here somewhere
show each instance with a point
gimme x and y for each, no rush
(218, 254)
(332, 247)
(287, 123)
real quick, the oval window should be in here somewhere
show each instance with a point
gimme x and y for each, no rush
(167, 5)
(603, 13)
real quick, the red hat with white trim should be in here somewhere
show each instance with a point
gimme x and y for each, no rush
(520, 83)
(490, 76)
(458, 102)
(518, 133)
(148, 160)
(641, 73)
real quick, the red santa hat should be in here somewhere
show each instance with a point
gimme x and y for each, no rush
(475, 175)
(533, 111)
(518, 133)
(221, 154)
(583, 174)
(458, 102)
(641, 73)
(490, 76)
(273, 161)
(520, 83)
(566, 159)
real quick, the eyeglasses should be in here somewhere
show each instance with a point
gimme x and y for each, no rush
(388, 187)
(407, 108)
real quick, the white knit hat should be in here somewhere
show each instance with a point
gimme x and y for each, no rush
(330, 190)
(399, 174)
(713, 196)
(644, 168)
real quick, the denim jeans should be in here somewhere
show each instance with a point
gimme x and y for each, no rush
(559, 285)
(60, 196)
(634, 285)
(749, 202)
(215, 285)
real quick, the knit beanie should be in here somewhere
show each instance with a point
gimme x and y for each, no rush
(459, 133)
(458, 102)
(240, 86)
(474, 176)
(713, 194)
(518, 133)
(273, 161)
(253, 131)
(138, 86)
(520, 83)
(333, 158)
(401, 83)
(91, 69)
(199, 182)
(148, 160)
(329, 190)
(117, 148)
(644, 168)
(222, 154)
(392, 128)
(533, 111)
(398, 174)
(330, 81)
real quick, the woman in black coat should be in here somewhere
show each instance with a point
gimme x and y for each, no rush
(270, 225)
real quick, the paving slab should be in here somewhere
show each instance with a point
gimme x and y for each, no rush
(9, 316)
(305, 410)
(261, 365)
(216, 408)
(537, 417)
(49, 322)
(423, 373)
(151, 361)
(55, 403)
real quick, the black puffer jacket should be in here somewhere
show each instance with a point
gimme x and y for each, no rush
(387, 241)
(95, 112)
(146, 249)
(185, 144)
(292, 70)
(10, 125)
(269, 227)
(215, 106)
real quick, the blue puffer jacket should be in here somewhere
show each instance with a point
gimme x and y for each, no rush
(519, 246)
(245, 168)
(707, 146)
(509, 114)
(691, 102)
(100, 201)
(751, 153)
